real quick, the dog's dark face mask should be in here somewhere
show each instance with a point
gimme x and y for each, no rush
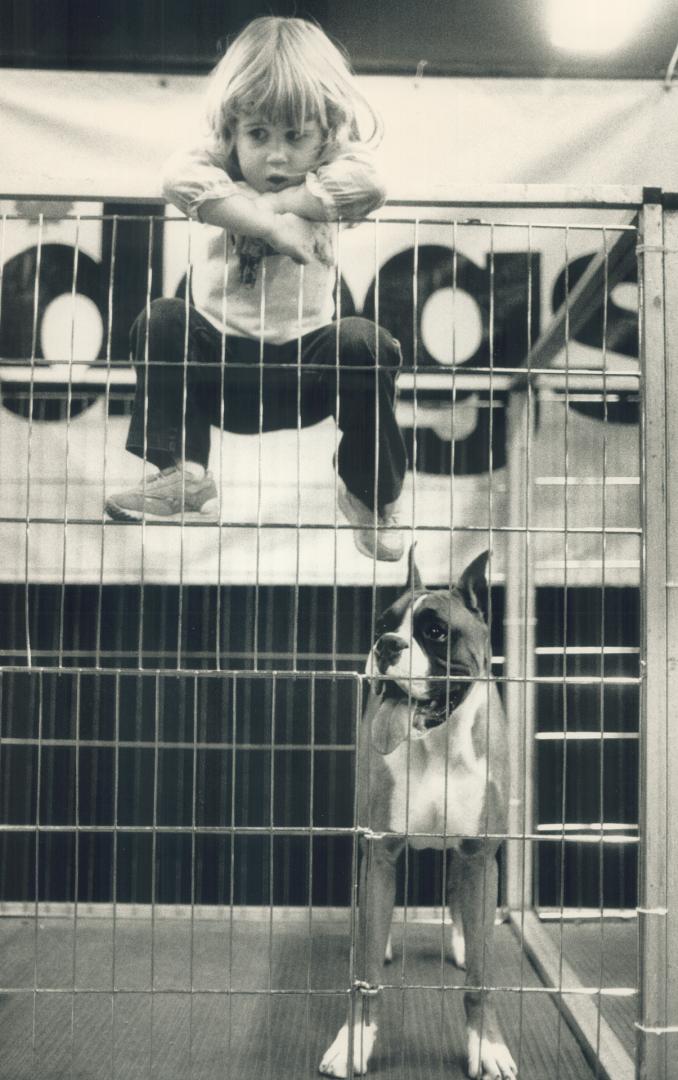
(429, 648)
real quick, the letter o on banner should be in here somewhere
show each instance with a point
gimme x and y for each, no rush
(50, 327)
(454, 296)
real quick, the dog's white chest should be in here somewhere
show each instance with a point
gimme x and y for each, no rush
(439, 787)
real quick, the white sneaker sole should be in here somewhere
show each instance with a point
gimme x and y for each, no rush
(208, 513)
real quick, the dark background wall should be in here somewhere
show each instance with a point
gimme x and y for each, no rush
(454, 37)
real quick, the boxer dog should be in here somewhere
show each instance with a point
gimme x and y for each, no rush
(432, 773)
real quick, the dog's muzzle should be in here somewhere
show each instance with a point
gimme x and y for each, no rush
(387, 649)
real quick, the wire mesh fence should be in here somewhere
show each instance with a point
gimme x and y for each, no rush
(181, 702)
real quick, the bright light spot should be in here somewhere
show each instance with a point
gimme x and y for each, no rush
(451, 327)
(71, 323)
(596, 26)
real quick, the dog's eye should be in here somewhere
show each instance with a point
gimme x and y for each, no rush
(436, 632)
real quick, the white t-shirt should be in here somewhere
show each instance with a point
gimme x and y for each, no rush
(241, 286)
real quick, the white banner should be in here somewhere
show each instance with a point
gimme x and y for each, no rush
(101, 133)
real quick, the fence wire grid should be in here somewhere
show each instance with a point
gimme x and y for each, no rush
(180, 702)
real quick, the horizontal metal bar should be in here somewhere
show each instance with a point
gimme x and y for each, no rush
(586, 481)
(168, 744)
(84, 743)
(566, 196)
(587, 650)
(337, 657)
(593, 826)
(278, 915)
(340, 526)
(587, 736)
(248, 913)
(81, 373)
(309, 830)
(222, 673)
(315, 992)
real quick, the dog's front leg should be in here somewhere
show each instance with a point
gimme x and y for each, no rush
(376, 897)
(488, 1055)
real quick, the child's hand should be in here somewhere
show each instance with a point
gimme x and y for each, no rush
(323, 245)
(298, 238)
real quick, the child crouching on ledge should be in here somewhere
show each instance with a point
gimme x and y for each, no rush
(282, 158)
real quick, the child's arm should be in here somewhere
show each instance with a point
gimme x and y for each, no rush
(286, 232)
(196, 182)
(348, 187)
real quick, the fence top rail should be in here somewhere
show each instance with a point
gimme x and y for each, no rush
(570, 196)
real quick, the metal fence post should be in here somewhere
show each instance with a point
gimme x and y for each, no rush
(519, 651)
(658, 908)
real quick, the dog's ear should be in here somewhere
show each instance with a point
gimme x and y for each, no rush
(414, 581)
(473, 584)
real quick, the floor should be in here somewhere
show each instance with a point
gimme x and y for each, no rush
(287, 1000)
(605, 954)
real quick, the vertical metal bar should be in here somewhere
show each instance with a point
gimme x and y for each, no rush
(218, 646)
(142, 572)
(29, 449)
(194, 786)
(69, 405)
(450, 580)
(657, 1049)
(519, 652)
(519, 635)
(231, 869)
(114, 868)
(671, 398)
(376, 422)
(184, 405)
(309, 882)
(104, 462)
(355, 1005)
(528, 649)
(377, 301)
(76, 875)
(297, 519)
(601, 748)
(260, 473)
(271, 881)
(36, 868)
(490, 484)
(335, 479)
(154, 859)
(565, 701)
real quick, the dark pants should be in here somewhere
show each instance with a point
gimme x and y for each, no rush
(346, 370)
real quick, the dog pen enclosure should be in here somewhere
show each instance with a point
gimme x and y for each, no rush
(179, 703)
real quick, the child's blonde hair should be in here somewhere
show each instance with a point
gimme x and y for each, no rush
(287, 70)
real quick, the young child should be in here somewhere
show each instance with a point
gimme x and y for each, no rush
(260, 351)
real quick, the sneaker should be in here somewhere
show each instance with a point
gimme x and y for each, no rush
(377, 536)
(171, 494)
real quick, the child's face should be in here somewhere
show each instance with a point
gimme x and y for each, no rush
(275, 156)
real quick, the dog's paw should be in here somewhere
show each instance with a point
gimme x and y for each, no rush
(490, 1060)
(335, 1060)
(457, 946)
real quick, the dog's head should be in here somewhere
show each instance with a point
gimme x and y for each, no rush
(431, 644)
